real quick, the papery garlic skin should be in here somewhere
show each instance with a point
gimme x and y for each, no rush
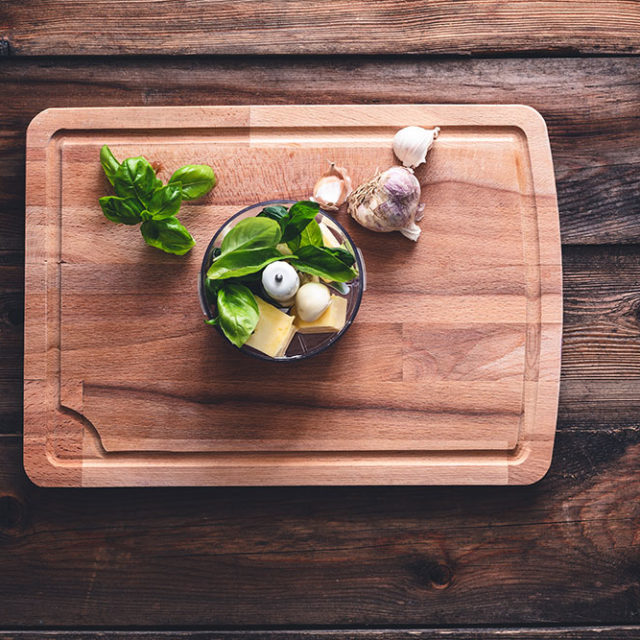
(411, 145)
(332, 189)
(388, 202)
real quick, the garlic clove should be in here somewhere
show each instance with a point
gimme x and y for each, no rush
(312, 301)
(411, 144)
(332, 189)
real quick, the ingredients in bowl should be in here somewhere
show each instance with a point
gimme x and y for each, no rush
(390, 201)
(411, 145)
(141, 198)
(267, 264)
(332, 189)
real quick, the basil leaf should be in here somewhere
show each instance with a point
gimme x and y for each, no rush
(109, 163)
(211, 288)
(195, 180)
(238, 313)
(212, 321)
(300, 214)
(344, 255)
(242, 262)
(310, 235)
(135, 178)
(275, 212)
(121, 210)
(169, 235)
(323, 262)
(252, 233)
(165, 202)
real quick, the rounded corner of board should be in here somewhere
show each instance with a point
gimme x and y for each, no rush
(42, 469)
(532, 464)
(43, 126)
(38, 468)
(531, 122)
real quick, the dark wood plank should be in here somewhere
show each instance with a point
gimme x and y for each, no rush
(469, 633)
(595, 139)
(600, 350)
(40, 27)
(563, 551)
(11, 400)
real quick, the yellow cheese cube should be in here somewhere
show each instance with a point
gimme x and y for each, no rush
(273, 331)
(285, 345)
(331, 320)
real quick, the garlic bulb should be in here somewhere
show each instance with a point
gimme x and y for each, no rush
(312, 301)
(388, 202)
(332, 188)
(412, 143)
(280, 281)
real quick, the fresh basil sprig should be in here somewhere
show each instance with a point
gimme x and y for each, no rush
(142, 198)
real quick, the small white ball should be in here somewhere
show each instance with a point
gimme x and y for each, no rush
(312, 301)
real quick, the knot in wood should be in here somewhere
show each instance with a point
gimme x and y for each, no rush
(12, 513)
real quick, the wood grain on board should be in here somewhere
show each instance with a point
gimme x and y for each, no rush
(600, 352)
(486, 271)
(38, 27)
(595, 143)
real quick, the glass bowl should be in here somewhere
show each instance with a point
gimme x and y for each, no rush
(303, 345)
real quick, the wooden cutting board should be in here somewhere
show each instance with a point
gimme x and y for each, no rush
(449, 374)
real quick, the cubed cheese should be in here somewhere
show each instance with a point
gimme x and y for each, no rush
(273, 331)
(285, 345)
(331, 320)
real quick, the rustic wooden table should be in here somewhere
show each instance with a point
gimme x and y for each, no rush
(559, 559)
